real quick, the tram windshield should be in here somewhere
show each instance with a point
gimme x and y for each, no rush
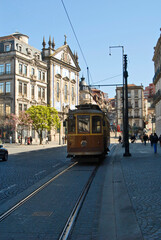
(96, 124)
(71, 124)
(83, 124)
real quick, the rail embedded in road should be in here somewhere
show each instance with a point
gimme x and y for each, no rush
(12, 209)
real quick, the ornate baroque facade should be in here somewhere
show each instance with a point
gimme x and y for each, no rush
(31, 77)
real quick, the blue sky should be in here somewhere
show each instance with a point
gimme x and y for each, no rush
(98, 25)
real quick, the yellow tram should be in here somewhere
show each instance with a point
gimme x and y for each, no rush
(88, 132)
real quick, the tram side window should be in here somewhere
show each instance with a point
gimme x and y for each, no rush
(71, 124)
(83, 124)
(96, 124)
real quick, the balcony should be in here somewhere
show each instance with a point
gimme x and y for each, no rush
(157, 75)
(157, 97)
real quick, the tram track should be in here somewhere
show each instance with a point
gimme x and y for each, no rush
(21, 202)
(74, 213)
(26, 210)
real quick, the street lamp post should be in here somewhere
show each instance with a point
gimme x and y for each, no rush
(126, 126)
(123, 107)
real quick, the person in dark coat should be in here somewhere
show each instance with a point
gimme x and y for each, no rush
(155, 141)
(119, 139)
(159, 140)
(145, 138)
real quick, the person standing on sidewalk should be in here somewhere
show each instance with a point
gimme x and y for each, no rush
(30, 139)
(155, 141)
(159, 140)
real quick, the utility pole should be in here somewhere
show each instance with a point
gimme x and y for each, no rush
(126, 122)
(123, 107)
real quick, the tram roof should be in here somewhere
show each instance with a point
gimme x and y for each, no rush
(83, 108)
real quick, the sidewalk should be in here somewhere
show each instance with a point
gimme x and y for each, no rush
(131, 199)
(18, 148)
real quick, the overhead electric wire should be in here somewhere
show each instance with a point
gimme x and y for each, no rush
(74, 32)
(76, 38)
(109, 78)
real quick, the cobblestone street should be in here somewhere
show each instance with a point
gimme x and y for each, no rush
(142, 173)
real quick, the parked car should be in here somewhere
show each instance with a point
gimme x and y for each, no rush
(3, 153)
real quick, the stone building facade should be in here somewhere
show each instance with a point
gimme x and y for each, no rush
(135, 108)
(157, 83)
(63, 81)
(29, 77)
(23, 78)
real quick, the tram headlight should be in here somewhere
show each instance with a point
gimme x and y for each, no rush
(83, 143)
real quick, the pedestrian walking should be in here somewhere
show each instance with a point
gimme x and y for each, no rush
(119, 139)
(133, 138)
(30, 139)
(155, 141)
(159, 140)
(10, 139)
(63, 138)
(145, 138)
(25, 139)
(47, 140)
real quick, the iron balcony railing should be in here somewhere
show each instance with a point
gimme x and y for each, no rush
(157, 75)
(157, 97)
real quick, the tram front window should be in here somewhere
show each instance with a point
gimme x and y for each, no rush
(83, 124)
(71, 124)
(96, 124)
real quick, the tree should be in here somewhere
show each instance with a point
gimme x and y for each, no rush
(18, 123)
(43, 117)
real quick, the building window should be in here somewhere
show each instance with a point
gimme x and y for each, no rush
(136, 93)
(25, 70)
(7, 48)
(57, 89)
(39, 75)
(25, 90)
(8, 109)
(8, 68)
(72, 75)
(20, 48)
(33, 133)
(1, 109)
(39, 92)
(1, 88)
(25, 107)
(20, 88)
(129, 94)
(65, 91)
(129, 104)
(8, 87)
(57, 69)
(43, 93)
(72, 93)
(32, 71)
(20, 107)
(1, 69)
(32, 91)
(43, 76)
(20, 68)
(136, 103)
